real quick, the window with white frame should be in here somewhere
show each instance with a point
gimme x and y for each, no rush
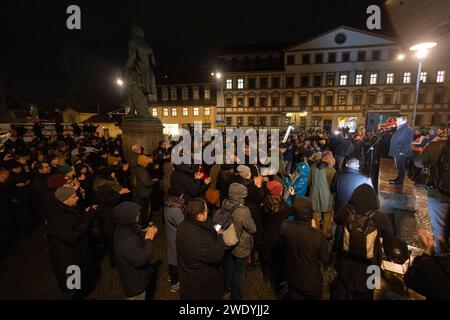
(406, 77)
(185, 94)
(196, 111)
(423, 76)
(207, 94)
(389, 78)
(343, 79)
(174, 112)
(240, 83)
(166, 112)
(185, 112)
(440, 76)
(207, 111)
(165, 94)
(155, 112)
(229, 84)
(196, 93)
(173, 93)
(373, 78)
(359, 79)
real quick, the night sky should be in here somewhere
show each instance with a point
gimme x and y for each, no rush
(42, 61)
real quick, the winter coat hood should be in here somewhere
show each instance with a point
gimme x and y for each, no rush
(125, 214)
(364, 199)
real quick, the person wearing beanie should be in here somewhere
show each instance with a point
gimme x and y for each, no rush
(235, 262)
(174, 207)
(275, 212)
(67, 234)
(304, 249)
(244, 172)
(132, 251)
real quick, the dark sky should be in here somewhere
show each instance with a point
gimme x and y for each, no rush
(43, 61)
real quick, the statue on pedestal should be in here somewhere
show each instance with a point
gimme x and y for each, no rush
(139, 74)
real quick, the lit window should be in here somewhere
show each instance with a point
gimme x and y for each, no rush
(165, 94)
(229, 84)
(207, 111)
(440, 76)
(155, 112)
(359, 79)
(185, 94)
(174, 112)
(373, 78)
(342, 99)
(240, 83)
(407, 77)
(423, 76)
(357, 99)
(390, 78)
(343, 79)
(185, 112)
(165, 112)
(207, 94)
(196, 111)
(196, 94)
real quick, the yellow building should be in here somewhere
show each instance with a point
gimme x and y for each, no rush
(76, 115)
(184, 98)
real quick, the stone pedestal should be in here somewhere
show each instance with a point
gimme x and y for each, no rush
(144, 132)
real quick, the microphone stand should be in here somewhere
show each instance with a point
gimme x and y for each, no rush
(371, 152)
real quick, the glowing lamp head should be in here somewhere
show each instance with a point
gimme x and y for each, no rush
(421, 49)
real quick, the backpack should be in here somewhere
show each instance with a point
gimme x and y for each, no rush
(225, 219)
(360, 234)
(443, 170)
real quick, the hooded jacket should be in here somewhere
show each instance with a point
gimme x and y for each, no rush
(242, 220)
(67, 235)
(173, 217)
(132, 252)
(351, 272)
(300, 183)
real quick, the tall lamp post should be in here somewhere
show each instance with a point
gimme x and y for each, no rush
(218, 77)
(421, 50)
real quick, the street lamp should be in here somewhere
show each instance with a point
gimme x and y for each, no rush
(120, 83)
(421, 50)
(218, 77)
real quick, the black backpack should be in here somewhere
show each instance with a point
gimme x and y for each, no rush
(443, 170)
(360, 234)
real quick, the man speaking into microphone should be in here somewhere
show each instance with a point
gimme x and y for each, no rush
(400, 148)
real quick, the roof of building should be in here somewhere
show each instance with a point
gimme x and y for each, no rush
(200, 75)
(255, 48)
(102, 118)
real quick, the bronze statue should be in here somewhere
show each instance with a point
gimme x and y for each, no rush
(139, 73)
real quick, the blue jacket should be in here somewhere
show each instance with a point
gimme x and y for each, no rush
(401, 142)
(300, 184)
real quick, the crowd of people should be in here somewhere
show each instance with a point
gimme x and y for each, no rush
(319, 211)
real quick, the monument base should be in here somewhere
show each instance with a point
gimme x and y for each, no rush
(144, 132)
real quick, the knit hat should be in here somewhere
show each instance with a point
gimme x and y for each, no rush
(56, 181)
(64, 193)
(243, 171)
(303, 208)
(275, 188)
(64, 169)
(125, 213)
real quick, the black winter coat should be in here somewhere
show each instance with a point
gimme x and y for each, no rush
(254, 200)
(183, 176)
(132, 255)
(344, 183)
(5, 205)
(200, 253)
(67, 234)
(304, 249)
